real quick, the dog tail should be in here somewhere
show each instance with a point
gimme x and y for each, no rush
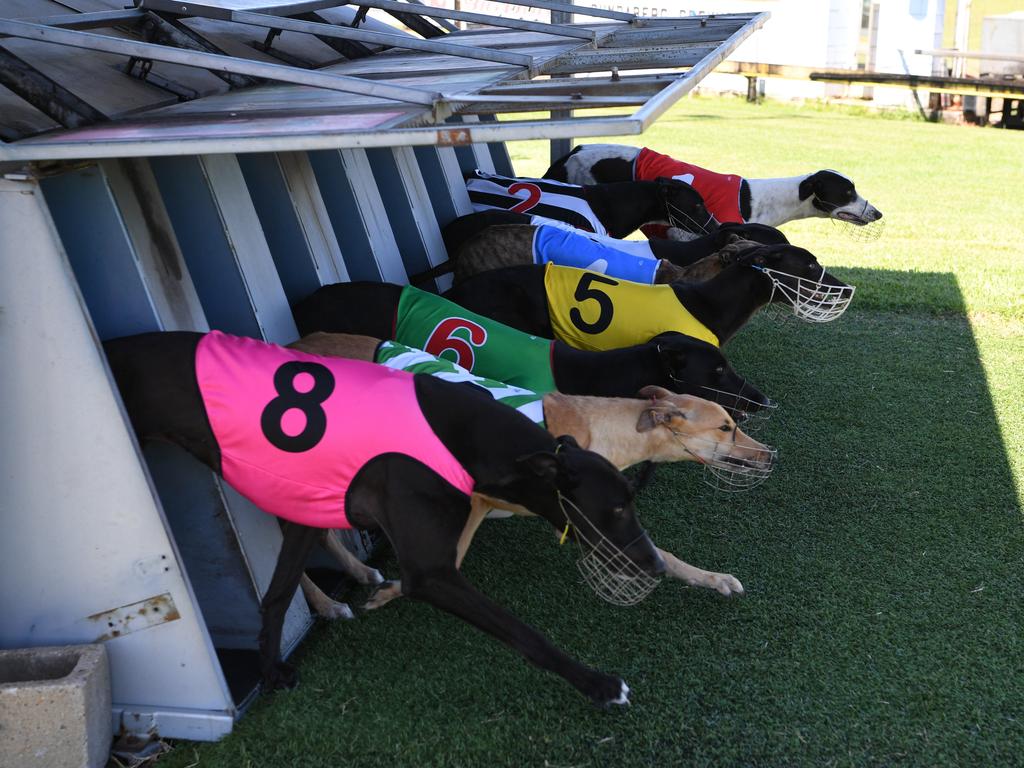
(441, 269)
(557, 170)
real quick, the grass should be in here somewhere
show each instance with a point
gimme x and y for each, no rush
(883, 560)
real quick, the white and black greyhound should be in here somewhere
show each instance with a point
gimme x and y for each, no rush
(729, 197)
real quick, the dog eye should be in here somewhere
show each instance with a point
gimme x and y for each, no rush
(725, 428)
(720, 370)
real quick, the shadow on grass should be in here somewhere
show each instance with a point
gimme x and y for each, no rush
(881, 626)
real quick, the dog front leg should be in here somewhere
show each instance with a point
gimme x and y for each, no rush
(349, 563)
(298, 541)
(449, 591)
(725, 583)
(393, 589)
(321, 604)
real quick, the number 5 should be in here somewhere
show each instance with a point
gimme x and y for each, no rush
(604, 301)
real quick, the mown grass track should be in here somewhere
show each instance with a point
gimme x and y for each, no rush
(884, 561)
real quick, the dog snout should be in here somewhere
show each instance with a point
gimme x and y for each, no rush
(874, 214)
(644, 554)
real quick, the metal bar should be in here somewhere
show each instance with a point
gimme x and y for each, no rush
(660, 103)
(446, 25)
(569, 100)
(605, 59)
(171, 32)
(570, 8)
(961, 85)
(189, 8)
(551, 105)
(588, 86)
(953, 53)
(89, 20)
(444, 135)
(562, 30)
(216, 62)
(49, 97)
(350, 49)
(381, 38)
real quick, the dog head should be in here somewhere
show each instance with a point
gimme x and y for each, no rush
(695, 429)
(694, 367)
(588, 497)
(835, 196)
(795, 277)
(685, 207)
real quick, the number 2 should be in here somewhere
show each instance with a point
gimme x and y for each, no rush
(308, 402)
(532, 196)
(604, 301)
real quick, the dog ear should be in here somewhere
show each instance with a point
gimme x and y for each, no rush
(543, 464)
(807, 186)
(654, 392)
(566, 441)
(652, 417)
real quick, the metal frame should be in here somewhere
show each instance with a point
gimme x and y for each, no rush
(410, 115)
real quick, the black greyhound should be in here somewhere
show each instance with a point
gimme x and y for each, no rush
(675, 362)
(621, 207)
(506, 455)
(683, 253)
(786, 274)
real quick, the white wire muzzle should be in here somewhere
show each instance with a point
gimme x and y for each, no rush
(727, 473)
(812, 300)
(605, 568)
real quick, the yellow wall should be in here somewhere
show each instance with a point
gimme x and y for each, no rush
(979, 10)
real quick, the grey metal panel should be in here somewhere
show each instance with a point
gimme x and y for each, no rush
(207, 249)
(75, 492)
(124, 47)
(160, 262)
(356, 211)
(442, 175)
(305, 251)
(100, 252)
(408, 208)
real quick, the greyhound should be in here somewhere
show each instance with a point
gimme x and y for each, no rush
(516, 244)
(660, 426)
(672, 361)
(591, 311)
(382, 449)
(729, 197)
(606, 209)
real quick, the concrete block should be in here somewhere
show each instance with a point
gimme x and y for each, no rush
(55, 707)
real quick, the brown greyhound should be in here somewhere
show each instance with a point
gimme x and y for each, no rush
(662, 427)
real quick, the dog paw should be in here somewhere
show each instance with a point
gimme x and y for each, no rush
(609, 690)
(281, 676)
(383, 595)
(623, 698)
(336, 610)
(372, 576)
(726, 584)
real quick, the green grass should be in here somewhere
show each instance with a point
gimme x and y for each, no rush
(884, 561)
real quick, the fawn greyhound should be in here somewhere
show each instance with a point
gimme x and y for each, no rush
(660, 426)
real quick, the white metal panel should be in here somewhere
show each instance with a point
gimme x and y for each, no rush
(74, 491)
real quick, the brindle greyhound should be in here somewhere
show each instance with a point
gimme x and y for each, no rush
(517, 296)
(474, 231)
(504, 453)
(509, 245)
(764, 201)
(660, 427)
(624, 207)
(675, 362)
